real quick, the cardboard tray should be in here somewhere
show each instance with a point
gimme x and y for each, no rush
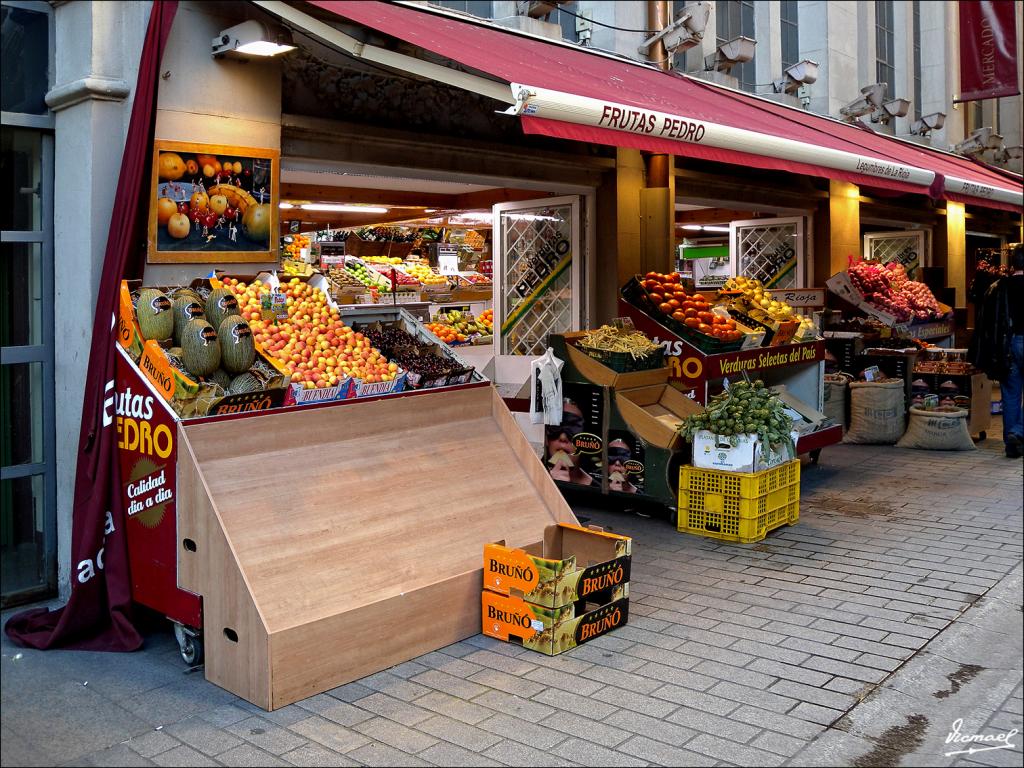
(598, 373)
(650, 412)
(322, 558)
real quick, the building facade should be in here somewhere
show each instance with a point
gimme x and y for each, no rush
(63, 137)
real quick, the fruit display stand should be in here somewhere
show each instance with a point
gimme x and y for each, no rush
(800, 367)
(300, 547)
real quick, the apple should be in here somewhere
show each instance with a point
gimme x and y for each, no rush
(199, 201)
(178, 226)
(218, 204)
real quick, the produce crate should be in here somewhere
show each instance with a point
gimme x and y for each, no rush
(738, 507)
(623, 362)
(636, 295)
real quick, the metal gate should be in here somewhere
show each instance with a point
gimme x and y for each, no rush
(770, 250)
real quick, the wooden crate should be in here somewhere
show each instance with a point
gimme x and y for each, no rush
(322, 558)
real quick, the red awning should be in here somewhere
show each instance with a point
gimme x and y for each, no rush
(581, 95)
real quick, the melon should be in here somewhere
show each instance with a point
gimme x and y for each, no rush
(156, 320)
(245, 382)
(186, 309)
(177, 293)
(221, 303)
(220, 377)
(200, 349)
(237, 347)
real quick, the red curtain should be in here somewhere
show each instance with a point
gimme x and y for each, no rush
(98, 616)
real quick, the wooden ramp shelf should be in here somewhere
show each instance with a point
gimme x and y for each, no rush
(331, 543)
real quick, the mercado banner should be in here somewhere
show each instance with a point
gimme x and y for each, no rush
(98, 615)
(988, 49)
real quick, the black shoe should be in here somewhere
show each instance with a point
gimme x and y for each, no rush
(1013, 448)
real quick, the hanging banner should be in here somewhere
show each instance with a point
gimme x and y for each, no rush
(988, 49)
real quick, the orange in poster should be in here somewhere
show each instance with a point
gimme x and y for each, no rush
(178, 226)
(165, 208)
(171, 167)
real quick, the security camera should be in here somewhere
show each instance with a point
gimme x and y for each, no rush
(802, 73)
(730, 53)
(889, 110)
(870, 100)
(980, 140)
(925, 125)
(686, 31)
(1006, 154)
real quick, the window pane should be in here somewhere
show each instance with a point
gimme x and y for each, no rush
(21, 413)
(21, 534)
(20, 171)
(21, 294)
(24, 57)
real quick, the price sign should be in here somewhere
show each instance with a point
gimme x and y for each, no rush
(799, 297)
(332, 253)
(293, 226)
(274, 305)
(448, 264)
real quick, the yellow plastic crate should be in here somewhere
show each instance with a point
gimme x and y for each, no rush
(738, 506)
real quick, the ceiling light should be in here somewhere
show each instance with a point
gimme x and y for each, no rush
(286, 205)
(342, 208)
(430, 210)
(251, 38)
(715, 229)
(695, 227)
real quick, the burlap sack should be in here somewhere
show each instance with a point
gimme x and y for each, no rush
(837, 387)
(877, 412)
(937, 431)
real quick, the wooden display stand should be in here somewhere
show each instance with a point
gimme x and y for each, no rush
(332, 542)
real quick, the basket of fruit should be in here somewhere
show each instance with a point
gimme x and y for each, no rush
(687, 315)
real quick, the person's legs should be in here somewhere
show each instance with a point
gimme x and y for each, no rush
(1012, 392)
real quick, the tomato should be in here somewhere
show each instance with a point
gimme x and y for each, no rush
(690, 305)
(674, 277)
(703, 327)
(675, 303)
(680, 294)
(706, 317)
(657, 298)
(690, 312)
(678, 315)
(651, 275)
(735, 335)
(692, 322)
(718, 320)
(730, 323)
(666, 307)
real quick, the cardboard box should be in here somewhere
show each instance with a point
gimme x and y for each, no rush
(571, 563)
(299, 395)
(738, 453)
(805, 418)
(549, 631)
(601, 374)
(654, 413)
(841, 285)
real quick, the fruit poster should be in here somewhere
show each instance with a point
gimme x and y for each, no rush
(625, 462)
(572, 450)
(212, 204)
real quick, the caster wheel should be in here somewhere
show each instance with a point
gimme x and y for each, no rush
(815, 455)
(192, 651)
(982, 436)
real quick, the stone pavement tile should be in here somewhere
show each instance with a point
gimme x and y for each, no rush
(658, 753)
(585, 728)
(170, 703)
(511, 704)
(514, 753)
(662, 656)
(878, 662)
(635, 702)
(459, 733)
(395, 735)
(832, 748)
(789, 672)
(774, 614)
(815, 713)
(647, 637)
(586, 753)
(744, 695)
(393, 709)
(266, 735)
(631, 680)
(565, 663)
(442, 703)
(284, 716)
(351, 692)
(815, 648)
(655, 728)
(442, 662)
(151, 742)
(117, 755)
(513, 665)
(199, 734)
(695, 699)
(450, 684)
(787, 746)
(799, 631)
(617, 659)
(384, 755)
(492, 678)
(316, 755)
(773, 653)
(703, 722)
(450, 754)
(331, 735)
(845, 669)
(565, 681)
(182, 755)
(498, 646)
(407, 669)
(853, 687)
(338, 711)
(522, 731)
(593, 707)
(773, 721)
(245, 755)
(392, 685)
(662, 673)
(738, 754)
(729, 672)
(224, 715)
(880, 649)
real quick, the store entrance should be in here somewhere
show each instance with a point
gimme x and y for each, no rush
(496, 265)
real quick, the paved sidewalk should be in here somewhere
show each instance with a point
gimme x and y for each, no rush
(745, 655)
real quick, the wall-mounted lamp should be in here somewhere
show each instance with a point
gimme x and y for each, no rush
(739, 50)
(251, 38)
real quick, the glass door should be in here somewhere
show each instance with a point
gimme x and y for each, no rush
(770, 250)
(28, 539)
(538, 283)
